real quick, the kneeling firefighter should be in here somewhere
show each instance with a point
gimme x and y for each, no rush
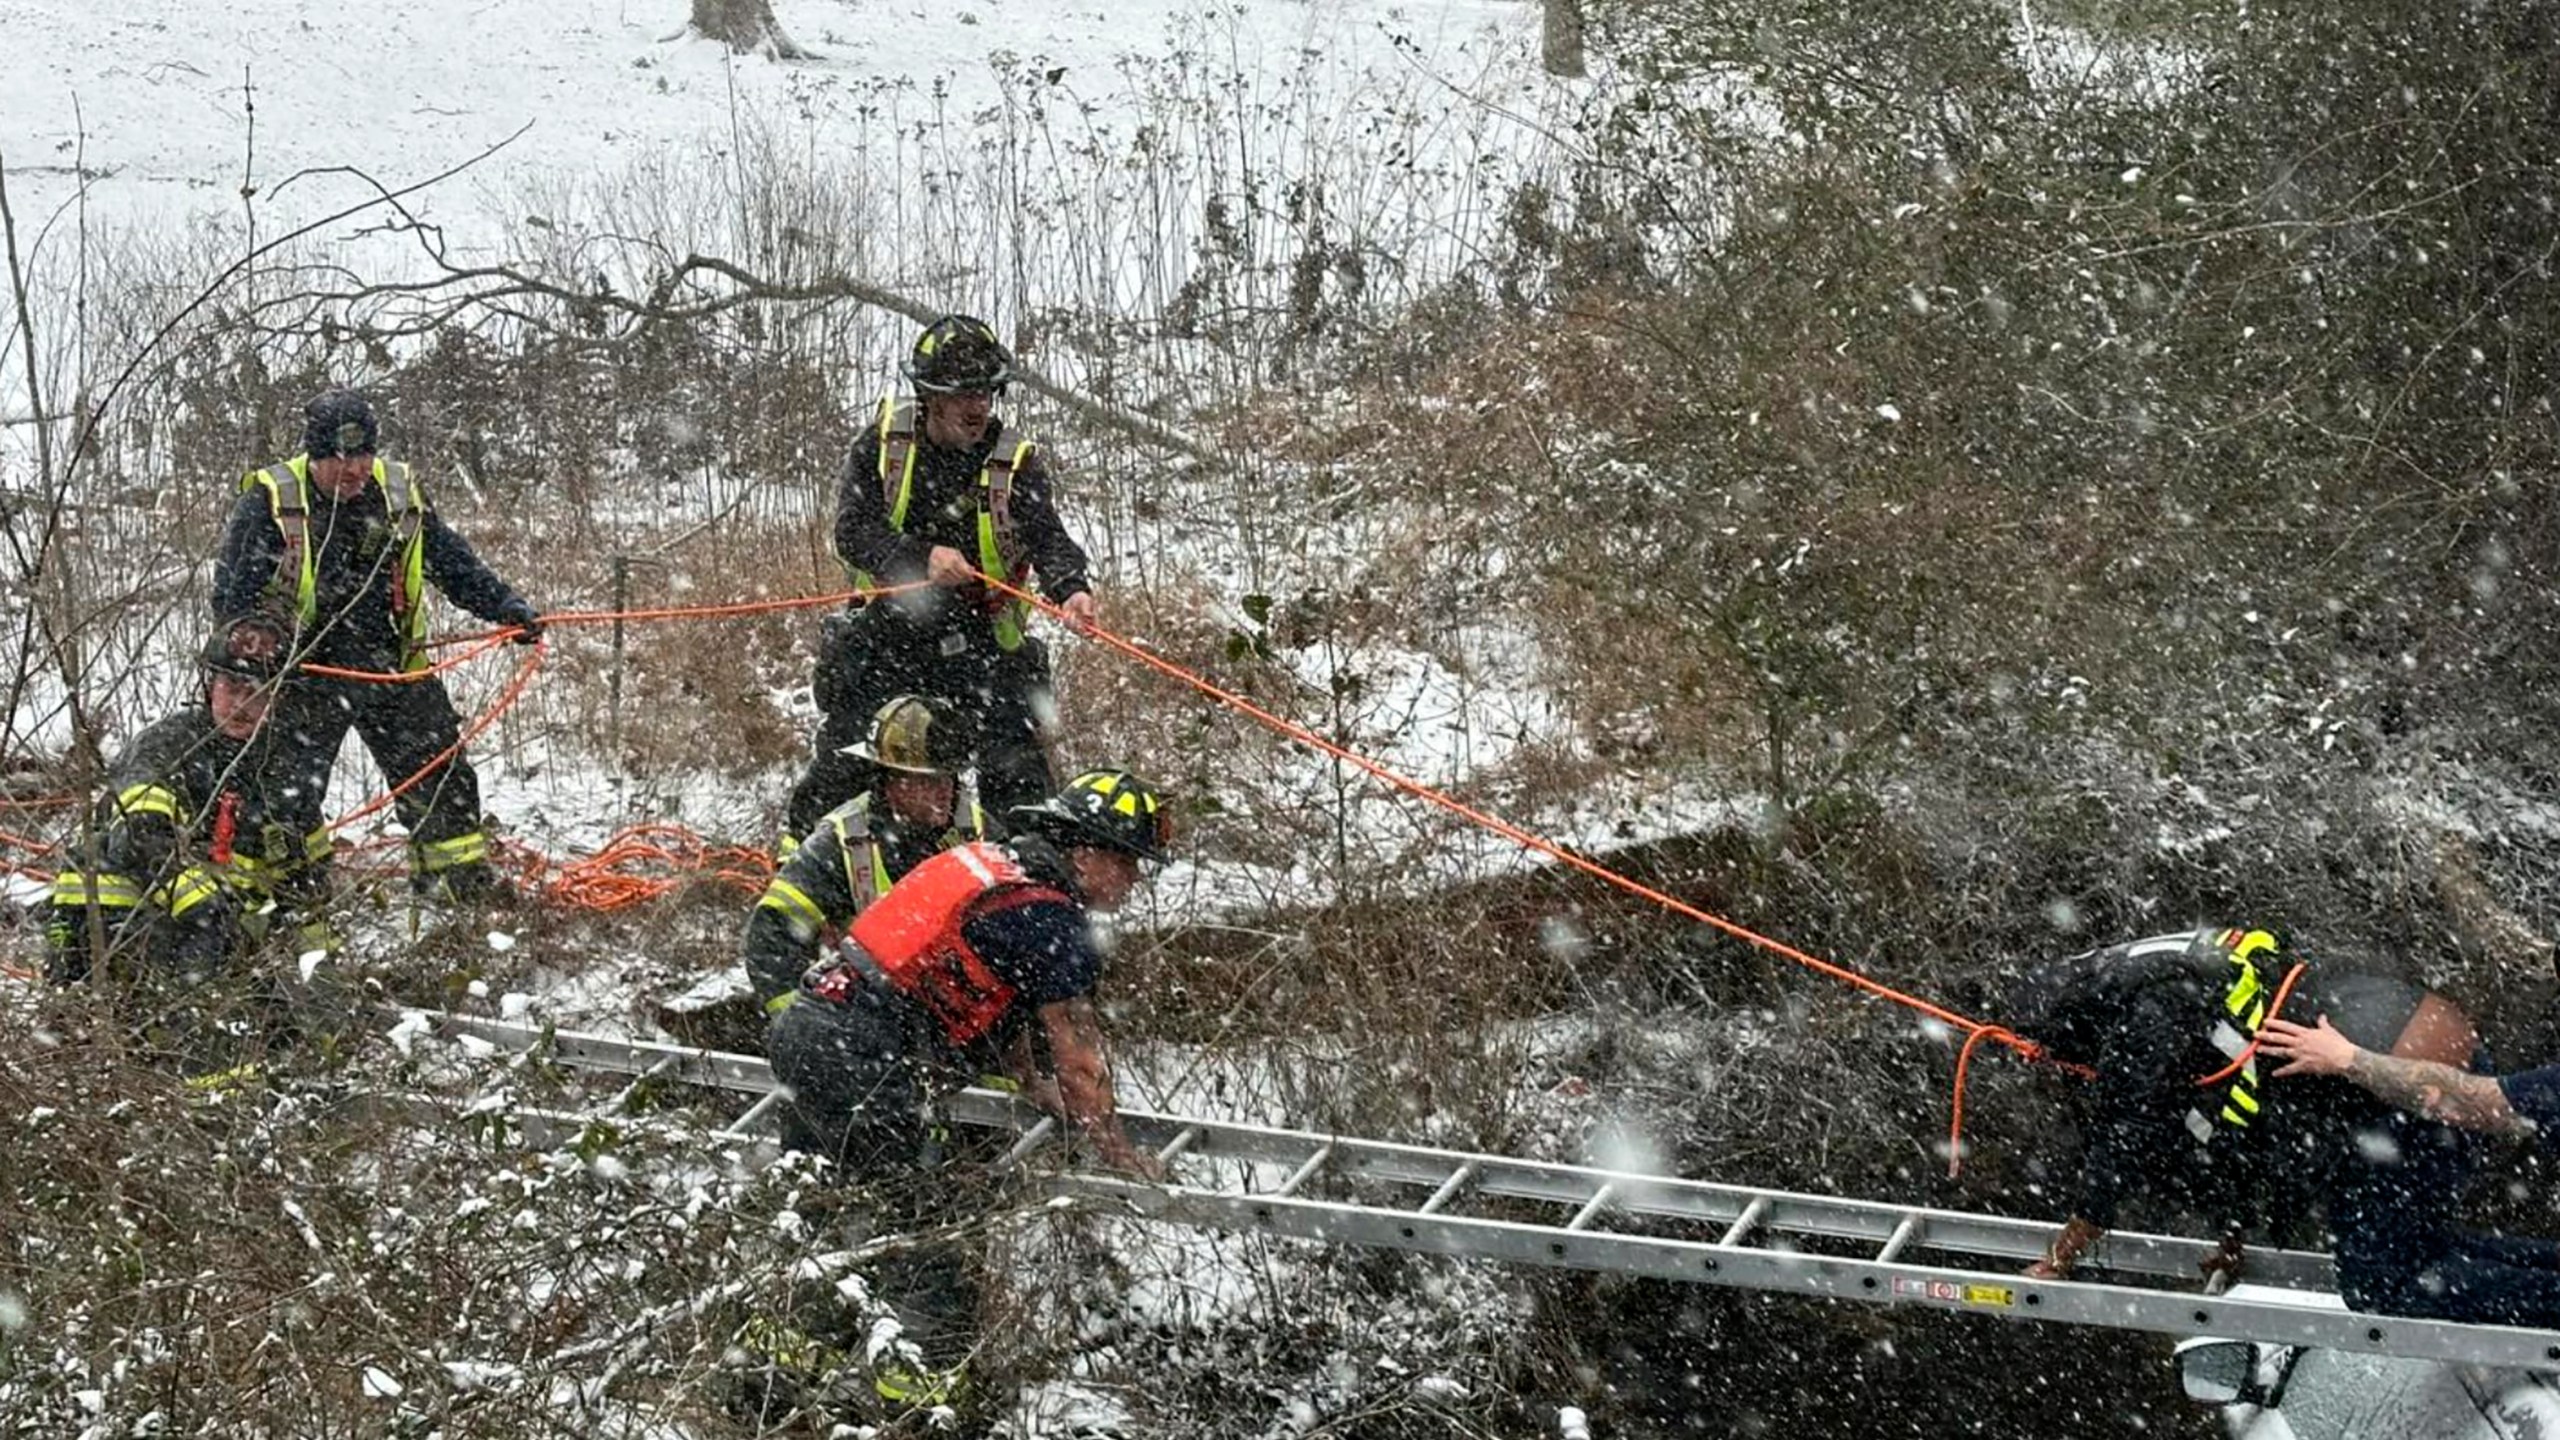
(976, 960)
(956, 971)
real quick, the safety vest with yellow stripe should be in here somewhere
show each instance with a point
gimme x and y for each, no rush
(866, 872)
(2244, 964)
(288, 488)
(1000, 550)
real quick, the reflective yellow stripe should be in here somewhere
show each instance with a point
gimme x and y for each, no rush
(1009, 620)
(916, 1387)
(782, 1002)
(2235, 1117)
(2245, 1099)
(224, 1081)
(317, 845)
(190, 888)
(251, 873)
(2244, 987)
(880, 881)
(792, 903)
(894, 423)
(471, 849)
(784, 1345)
(150, 800)
(2251, 943)
(291, 511)
(897, 432)
(115, 892)
(413, 561)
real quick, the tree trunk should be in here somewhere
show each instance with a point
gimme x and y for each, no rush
(1561, 39)
(745, 25)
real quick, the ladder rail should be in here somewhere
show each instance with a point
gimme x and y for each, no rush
(1668, 1198)
(1831, 1277)
(612, 1055)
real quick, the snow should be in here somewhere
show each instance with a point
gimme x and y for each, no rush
(167, 92)
(280, 109)
(404, 1036)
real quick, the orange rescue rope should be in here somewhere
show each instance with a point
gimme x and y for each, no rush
(641, 863)
(2249, 1052)
(506, 699)
(1976, 1031)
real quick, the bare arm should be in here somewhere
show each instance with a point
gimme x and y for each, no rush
(2430, 1088)
(2439, 1092)
(1084, 1085)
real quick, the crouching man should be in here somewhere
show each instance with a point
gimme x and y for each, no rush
(193, 856)
(972, 962)
(980, 959)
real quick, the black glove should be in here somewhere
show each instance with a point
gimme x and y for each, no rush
(520, 613)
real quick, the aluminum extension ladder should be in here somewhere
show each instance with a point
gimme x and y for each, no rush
(1417, 1198)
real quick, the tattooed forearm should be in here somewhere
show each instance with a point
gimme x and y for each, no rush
(2439, 1092)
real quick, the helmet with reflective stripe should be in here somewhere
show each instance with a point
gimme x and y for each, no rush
(912, 736)
(959, 354)
(1112, 809)
(252, 647)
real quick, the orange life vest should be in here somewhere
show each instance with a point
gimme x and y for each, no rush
(914, 934)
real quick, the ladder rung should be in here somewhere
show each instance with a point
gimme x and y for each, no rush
(1179, 1143)
(1032, 1139)
(1458, 1180)
(1311, 1165)
(1592, 1207)
(1903, 1234)
(658, 1071)
(745, 1125)
(1746, 1222)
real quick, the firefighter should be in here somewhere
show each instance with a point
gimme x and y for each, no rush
(192, 853)
(859, 849)
(347, 543)
(980, 959)
(937, 490)
(2466, 1274)
(980, 953)
(2156, 1018)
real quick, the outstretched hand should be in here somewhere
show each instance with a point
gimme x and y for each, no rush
(526, 620)
(2307, 1049)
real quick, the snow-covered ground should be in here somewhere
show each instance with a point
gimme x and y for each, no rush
(171, 105)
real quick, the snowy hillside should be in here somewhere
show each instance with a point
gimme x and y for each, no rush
(1942, 493)
(172, 108)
